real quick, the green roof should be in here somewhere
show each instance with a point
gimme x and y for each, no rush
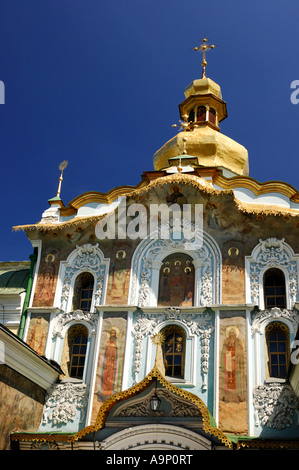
(14, 281)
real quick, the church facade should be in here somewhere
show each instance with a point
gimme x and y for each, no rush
(170, 307)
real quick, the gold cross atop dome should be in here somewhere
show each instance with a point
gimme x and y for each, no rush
(204, 47)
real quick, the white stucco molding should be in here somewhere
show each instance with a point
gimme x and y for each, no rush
(85, 258)
(147, 261)
(271, 253)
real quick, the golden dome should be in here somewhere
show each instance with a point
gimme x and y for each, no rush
(202, 111)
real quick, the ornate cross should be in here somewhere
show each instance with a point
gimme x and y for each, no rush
(204, 47)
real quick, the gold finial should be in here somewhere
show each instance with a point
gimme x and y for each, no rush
(179, 167)
(182, 125)
(158, 339)
(204, 47)
(61, 167)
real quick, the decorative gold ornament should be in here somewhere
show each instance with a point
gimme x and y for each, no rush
(204, 47)
(158, 338)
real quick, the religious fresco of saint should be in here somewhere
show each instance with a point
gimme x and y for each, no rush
(38, 332)
(232, 375)
(176, 286)
(45, 288)
(118, 278)
(176, 196)
(111, 358)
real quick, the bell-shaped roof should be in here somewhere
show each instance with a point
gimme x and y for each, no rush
(201, 140)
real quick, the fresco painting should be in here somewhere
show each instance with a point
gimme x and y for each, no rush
(111, 358)
(232, 374)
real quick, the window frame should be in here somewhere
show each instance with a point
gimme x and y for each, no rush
(282, 328)
(167, 331)
(192, 372)
(74, 331)
(275, 295)
(78, 288)
(78, 356)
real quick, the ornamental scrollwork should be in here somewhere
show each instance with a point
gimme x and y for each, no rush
(141, 408)
(272, 253)
(206, 258)
(62, 402)
(264, 316)
(161, 246)
(62, 319)
(198, 325)
(275, 405)
(85, 258)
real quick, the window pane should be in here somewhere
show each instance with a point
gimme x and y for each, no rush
(282, 359)
(81, 361)
(274, 289)
(173, 351)
(75, 360)
(282, 347)
(278, 344)
(273, 347)
(78, 355)
(177, 360)
(76, 349)
(169, 359)
(270, 290)
(283, 371)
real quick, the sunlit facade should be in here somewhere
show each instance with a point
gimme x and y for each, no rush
(162, 343)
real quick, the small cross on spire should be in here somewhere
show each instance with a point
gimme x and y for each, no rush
(61, 167)
(204, 47)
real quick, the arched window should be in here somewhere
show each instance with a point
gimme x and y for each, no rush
(83, 292)
(176, 286)
(277, 338)
(174, 351)
(274, 289)
(74, 351)
(78, 344)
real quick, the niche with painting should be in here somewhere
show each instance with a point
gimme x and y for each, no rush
(176, 284)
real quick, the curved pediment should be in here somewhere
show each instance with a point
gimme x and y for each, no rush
(246, 195)
(178, 407)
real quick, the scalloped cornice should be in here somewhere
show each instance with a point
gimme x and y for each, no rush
(154, 179)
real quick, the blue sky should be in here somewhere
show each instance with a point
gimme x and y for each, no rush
(99, 83)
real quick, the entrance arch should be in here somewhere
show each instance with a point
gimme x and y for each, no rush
(156, 437)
